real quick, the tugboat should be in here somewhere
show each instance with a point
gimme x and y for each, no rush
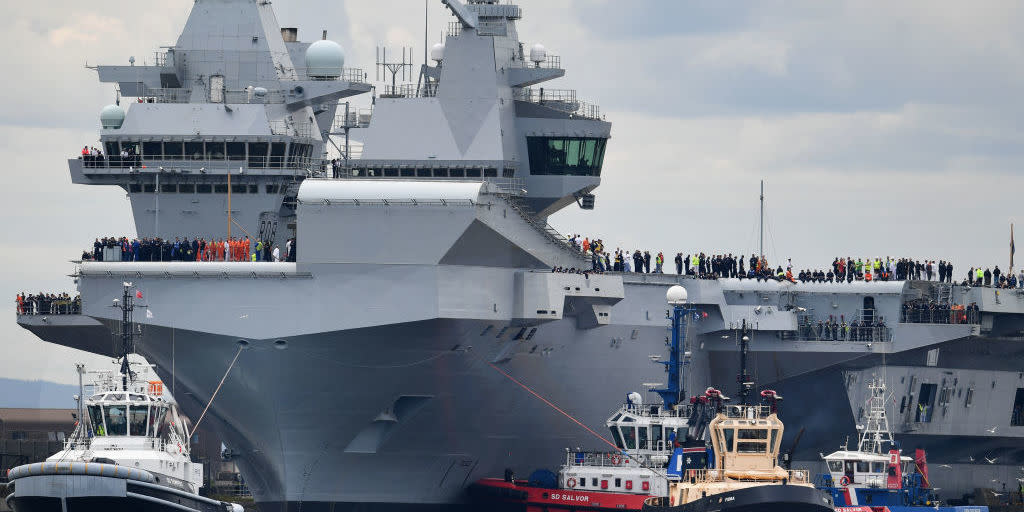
(741, 472)
(129, 450)
(877, 477)
(644, 436)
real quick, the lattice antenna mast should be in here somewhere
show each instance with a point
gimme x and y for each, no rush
(394, 68)
(875, 434)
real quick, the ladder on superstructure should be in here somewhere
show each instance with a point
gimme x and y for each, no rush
(944, 294)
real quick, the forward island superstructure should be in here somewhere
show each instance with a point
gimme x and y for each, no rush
(373, 368)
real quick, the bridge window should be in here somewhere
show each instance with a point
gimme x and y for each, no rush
(277, 154)
(135, 188)
(149, 188)
(472, 173)
(194, 150)
(152, 150)
(617, 438)
(239, 189)
(642, 431)
(835, 466)
(220, 189)
(565, 156)
(173, 150)
(457, 173)
(1017, 418)
(258, 154)
(236, 151)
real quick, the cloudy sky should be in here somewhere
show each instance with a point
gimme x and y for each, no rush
(880, 128)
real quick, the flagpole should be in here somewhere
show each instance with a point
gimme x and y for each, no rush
(1012, 249)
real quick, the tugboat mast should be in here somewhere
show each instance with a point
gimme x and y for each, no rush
(127, 336)
(673, 392)
(744, 379)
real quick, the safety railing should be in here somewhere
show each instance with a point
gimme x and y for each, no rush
(833, 331)
(563, 100)
(203, 165)
(39, 305)
(543, 227)
(605, 459)
(410, 91)
(928, 315)
(747, 475)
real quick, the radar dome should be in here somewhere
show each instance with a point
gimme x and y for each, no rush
(676, 295)
(437, 52)
(111, 117)
(538, 53)
(324, 59)
(635, 398)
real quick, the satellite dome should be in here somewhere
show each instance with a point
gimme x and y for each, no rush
(635, 398)
(324, 59)
(676, 295)
(111, 117)
(538, 53)
(437, 52)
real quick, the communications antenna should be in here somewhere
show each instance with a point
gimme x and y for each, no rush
(384, 67)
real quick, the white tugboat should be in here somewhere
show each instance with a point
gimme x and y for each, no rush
(129, 450)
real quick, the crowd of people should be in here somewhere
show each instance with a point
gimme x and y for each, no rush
(866, 329)
(184, 249)
(843, 269)
(48, 304)
(930, 311)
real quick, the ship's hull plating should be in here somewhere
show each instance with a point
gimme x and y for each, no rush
(412, 413)
(92, 493)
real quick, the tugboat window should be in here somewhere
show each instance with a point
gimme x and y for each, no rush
(730, 434)
(617, 437)
(629, 434)
(878, 467)
(643, 439)
(835, 466)
(863, 467)
(565, 156)
(137, 420)
(96, 415)
(117, 424)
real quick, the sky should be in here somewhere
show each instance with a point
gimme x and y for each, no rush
(879, 128)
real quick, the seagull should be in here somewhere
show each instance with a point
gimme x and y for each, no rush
(991, 461)
(947, 466)
(971, 458)
(991, 430)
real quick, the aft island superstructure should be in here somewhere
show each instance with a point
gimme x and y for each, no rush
(369, 367)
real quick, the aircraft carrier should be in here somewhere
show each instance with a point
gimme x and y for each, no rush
(367, 372)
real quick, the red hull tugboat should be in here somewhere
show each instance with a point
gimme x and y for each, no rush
(644, 434)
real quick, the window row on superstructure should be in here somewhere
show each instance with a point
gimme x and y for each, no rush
(254, 155)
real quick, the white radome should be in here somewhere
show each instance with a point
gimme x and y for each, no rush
(437, 52)
(324, 59)
(635, 398)
(538, 53)
(111, 117)
(676, 295)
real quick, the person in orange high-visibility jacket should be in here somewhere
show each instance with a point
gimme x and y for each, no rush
(867, 275)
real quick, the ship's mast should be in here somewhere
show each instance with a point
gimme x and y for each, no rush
(127, 336)
(744, 379)
(876, 434)
(761, 228)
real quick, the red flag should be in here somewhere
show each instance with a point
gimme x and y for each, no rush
(138, 294)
